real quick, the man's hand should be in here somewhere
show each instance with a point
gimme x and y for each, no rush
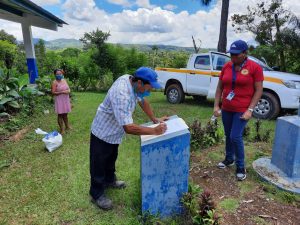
(159, 120)
(247, 115)
(160, 129)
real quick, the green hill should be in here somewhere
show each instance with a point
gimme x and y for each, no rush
(73, 43)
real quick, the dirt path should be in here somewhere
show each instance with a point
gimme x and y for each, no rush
(254, 204)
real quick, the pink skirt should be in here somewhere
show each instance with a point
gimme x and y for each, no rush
(62, 104)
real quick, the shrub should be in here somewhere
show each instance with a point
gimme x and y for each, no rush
(203, 137)
(201, 211)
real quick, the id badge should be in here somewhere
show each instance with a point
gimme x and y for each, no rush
(230, 96)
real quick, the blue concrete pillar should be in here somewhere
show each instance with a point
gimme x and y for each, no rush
(286, 147)
(30, 54)
(165, 169)
(32, 70)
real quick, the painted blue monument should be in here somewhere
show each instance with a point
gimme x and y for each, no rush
(165, 169)
(283, 169)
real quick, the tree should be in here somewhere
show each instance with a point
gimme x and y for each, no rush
(97, 40)
(40, 53)
(267, 22)
(8, 52)
(154, 54)
(7, 37)
(52, 61)
(70, 52)
(222, 43)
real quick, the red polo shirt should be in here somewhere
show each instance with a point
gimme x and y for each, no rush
(244, 85)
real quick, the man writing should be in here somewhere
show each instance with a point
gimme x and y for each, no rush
(113, 119)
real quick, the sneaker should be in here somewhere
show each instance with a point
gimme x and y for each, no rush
(225, 163)
(119, 184)
(103, 202)
(241, 174)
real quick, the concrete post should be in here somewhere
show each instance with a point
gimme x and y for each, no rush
(165, 169)
(30, 54)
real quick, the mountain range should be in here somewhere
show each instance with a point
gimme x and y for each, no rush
(74, 43)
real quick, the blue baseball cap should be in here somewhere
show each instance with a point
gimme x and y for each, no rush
(148, 74)
(238, 47)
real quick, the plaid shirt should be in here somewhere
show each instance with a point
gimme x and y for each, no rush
(115, 111)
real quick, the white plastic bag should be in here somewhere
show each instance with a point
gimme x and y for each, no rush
(52, 140)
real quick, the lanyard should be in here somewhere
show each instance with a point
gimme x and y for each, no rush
(234, 74)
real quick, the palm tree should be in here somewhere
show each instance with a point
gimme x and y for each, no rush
(223, 24)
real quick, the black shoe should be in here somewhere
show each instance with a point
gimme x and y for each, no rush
(241, 174)
(119, 184)
(103, 202)
(225, 163)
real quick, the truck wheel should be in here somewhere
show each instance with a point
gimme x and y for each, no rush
(175, 94)
(268, 107)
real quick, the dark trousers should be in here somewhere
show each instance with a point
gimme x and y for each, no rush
(234, 127)
(102, 165)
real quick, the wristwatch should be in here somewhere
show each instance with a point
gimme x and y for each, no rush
(250, 109)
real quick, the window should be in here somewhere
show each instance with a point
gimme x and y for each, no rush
(202, 62)
(218, 61)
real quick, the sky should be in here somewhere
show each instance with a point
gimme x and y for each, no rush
(168, 22)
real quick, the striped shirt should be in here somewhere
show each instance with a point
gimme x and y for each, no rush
(115, 111)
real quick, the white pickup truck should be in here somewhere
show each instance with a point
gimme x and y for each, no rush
(200, 79)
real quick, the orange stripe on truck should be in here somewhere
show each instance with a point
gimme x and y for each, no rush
(209, 73)
(273, 80)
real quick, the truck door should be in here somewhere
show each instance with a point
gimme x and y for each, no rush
(198, 80)
(218, 61)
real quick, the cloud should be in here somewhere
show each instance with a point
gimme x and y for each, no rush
(170, 7)
(146, 25)
(143, 21)
(144, 4)
(124, 3)
(46, 2)
(84, 10)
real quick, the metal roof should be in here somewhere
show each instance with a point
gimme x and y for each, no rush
(16, 9)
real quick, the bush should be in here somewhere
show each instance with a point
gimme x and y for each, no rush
(201, 211)
(203, 137)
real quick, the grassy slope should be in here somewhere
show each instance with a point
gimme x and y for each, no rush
(44, 188)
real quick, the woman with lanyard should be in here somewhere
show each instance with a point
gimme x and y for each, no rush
(240, 87)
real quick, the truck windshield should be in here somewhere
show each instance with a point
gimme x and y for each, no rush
(261, 63)
(218, 61)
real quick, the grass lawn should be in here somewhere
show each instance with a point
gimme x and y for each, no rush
(52, 188)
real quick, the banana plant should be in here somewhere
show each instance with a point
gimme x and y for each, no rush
(15, 94)
(9, 95)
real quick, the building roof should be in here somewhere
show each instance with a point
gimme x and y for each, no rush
(21, 10)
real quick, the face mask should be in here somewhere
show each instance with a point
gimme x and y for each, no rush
(142, 95)
(59, 77)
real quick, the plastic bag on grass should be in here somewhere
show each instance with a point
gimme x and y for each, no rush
(52, 140)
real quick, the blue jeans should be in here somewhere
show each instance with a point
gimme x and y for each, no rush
(234, 127)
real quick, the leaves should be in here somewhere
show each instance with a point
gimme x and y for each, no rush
(13, 93)
(203, 137)
(4, 114)
(14, 104)
(5, 100)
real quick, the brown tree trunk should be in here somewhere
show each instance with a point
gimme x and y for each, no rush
(223, 26)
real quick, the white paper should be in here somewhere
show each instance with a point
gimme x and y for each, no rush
(173, 125)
